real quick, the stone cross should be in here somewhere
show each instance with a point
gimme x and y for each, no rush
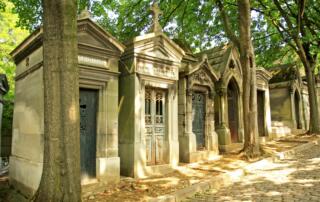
(156, 12)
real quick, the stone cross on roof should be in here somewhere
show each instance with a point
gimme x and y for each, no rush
(156, 12)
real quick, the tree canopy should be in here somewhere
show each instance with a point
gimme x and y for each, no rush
(195, 22)
(10, 37)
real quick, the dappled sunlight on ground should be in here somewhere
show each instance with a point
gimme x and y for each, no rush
(183, 176)
(296, 179)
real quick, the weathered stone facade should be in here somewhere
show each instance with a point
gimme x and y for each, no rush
(98, 58)
(263, 104)
(197, 137)
(225, 63)
(289, 100)
(148, 116)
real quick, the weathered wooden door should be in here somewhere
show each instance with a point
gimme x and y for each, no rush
(198, 118)
(261, 115)
(155, 125)
(88, 127)
(233, 113)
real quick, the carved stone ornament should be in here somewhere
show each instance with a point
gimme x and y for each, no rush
(200, 77)
(163, 71)
(84, 14)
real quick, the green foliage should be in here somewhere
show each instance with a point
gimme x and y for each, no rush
(10, 37)
(195, 22)
(2, 5)
(30, 13)
(282, 24)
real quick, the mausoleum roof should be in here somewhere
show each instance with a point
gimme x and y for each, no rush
(34, 40)
(263, 74)
(222, 57)
(284, 72)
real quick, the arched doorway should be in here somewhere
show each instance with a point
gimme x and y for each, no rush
(297, 109)
(233, 110)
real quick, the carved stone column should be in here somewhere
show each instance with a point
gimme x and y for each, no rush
(293, 116)
(189, 111)
(212, 137)
(222, 129)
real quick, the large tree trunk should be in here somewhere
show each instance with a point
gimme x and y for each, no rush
(314, 125)
(309, 63)
(60, 179)
(247, 58)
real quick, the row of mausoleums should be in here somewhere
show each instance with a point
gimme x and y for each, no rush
(145, 106)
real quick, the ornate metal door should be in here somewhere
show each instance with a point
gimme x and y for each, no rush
(261, 119)
(88, 123)
(198, 118)
(155, 126)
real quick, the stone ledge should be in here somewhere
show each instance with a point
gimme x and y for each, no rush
(291, 152)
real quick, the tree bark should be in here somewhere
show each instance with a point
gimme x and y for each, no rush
(314, 126)
(60, 179)
(247, 59)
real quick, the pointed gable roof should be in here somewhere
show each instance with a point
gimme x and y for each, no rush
(223, 57)
(202, 63)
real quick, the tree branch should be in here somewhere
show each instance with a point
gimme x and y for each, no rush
(184, 12)
(171, 13)
(267, 36)
(227, 26)
(286, 18)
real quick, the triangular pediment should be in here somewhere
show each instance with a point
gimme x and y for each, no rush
(92, 35)
(231, 62)
(204, 67)
(157, 46)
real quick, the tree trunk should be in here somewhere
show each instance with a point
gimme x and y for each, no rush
(309, 63)
(247, 58)
(60, 179)
(314, 126)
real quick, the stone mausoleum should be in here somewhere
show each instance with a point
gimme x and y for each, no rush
(263, 104)
(148, 103)
(98, 58)
(228, 112)
(289, 100)
(197, 137)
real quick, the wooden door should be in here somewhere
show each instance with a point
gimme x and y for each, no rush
(88, 127)
(233, 113)
(261, 114)
(198, 118)
(155, 126)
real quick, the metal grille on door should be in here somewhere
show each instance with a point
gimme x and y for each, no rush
(155, 126)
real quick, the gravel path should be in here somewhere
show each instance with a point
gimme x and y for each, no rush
(296, 179)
